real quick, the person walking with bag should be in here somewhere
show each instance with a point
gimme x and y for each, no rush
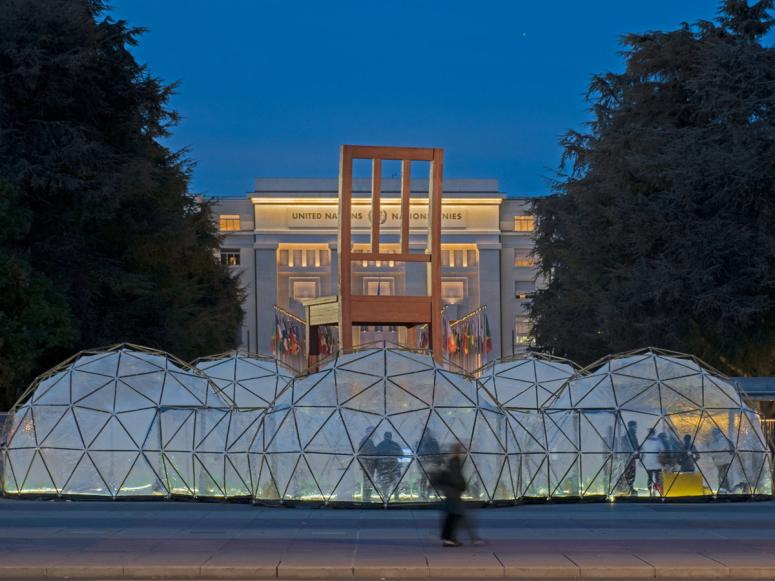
(452, 485)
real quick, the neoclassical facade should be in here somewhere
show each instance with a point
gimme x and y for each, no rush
(281, 239)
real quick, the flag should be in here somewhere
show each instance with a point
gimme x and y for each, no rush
(451, 342)
(488, 335)
(286, 337)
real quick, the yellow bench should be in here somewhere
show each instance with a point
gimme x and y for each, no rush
(684, 484)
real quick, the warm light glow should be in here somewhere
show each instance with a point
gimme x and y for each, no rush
(229, 222)
(524, 223)
(306, 260)
(367, 201)
(523, 257)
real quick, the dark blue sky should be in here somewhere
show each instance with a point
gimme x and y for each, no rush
(272, 88)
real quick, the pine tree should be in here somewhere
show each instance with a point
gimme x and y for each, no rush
(34, 319)
(662, 230)
(113, 225)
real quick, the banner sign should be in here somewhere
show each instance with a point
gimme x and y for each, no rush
(390, 217)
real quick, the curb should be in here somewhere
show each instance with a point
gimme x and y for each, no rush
(382, 572)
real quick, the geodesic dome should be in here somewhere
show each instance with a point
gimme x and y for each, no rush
(372, 426)
(89, 426)
(205, 449)
(523, 385)
(528, 381)
(654, 423)
(249, 381)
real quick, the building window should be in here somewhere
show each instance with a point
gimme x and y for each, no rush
(377, 286)
(524, 223)
(523, 290)
(521, 330)
(304, 258)
(523, 257)
(304, 288)
(453, 291)
(230, 256)
(458, 256)
(229, 222)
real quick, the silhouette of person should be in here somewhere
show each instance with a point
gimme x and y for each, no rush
(388, 467)
(630, 442)
(366, 454)
(688, 455)
(650, 451)
(669, 454)
(428, 451)
(722, 455)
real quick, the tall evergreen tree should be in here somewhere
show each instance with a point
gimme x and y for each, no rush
(662, 229)
(112, 223)
(34, 319)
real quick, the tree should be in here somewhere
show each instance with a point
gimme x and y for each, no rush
(34, 318)
(661, 230)
(113, 225)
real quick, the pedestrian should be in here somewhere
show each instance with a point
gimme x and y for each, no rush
(722, 455)
(452, 484)
(428, 453)
(649, 453)
(669, 455)
(689, 455)
(388, 467)
(630, 445)
(366, 454)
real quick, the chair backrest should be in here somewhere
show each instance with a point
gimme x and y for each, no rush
(379, 310)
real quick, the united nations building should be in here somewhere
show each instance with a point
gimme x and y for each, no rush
(281, 239)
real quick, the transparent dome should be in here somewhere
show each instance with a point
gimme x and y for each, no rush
(373, 426)
(523, 385)
(90, 426)
(529, 381)
(206, 448)
(654, 423)
(249, 381)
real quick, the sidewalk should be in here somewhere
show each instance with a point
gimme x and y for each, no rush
(216, 541)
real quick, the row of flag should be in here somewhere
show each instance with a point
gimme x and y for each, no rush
(328, 340)
(470, 336)
(288, 335)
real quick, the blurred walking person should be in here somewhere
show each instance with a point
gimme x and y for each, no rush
(452, 484)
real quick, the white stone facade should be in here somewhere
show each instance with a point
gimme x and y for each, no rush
(281, 240)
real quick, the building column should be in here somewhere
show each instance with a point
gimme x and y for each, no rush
(266, 296)
(490, 293)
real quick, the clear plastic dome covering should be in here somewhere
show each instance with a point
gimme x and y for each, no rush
(249, 381)
(205, 449)
(529, 381)
(653, 423)
(372, 426)
(90, 426)
(523, 385)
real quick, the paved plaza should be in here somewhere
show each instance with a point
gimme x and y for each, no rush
(109, 540)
